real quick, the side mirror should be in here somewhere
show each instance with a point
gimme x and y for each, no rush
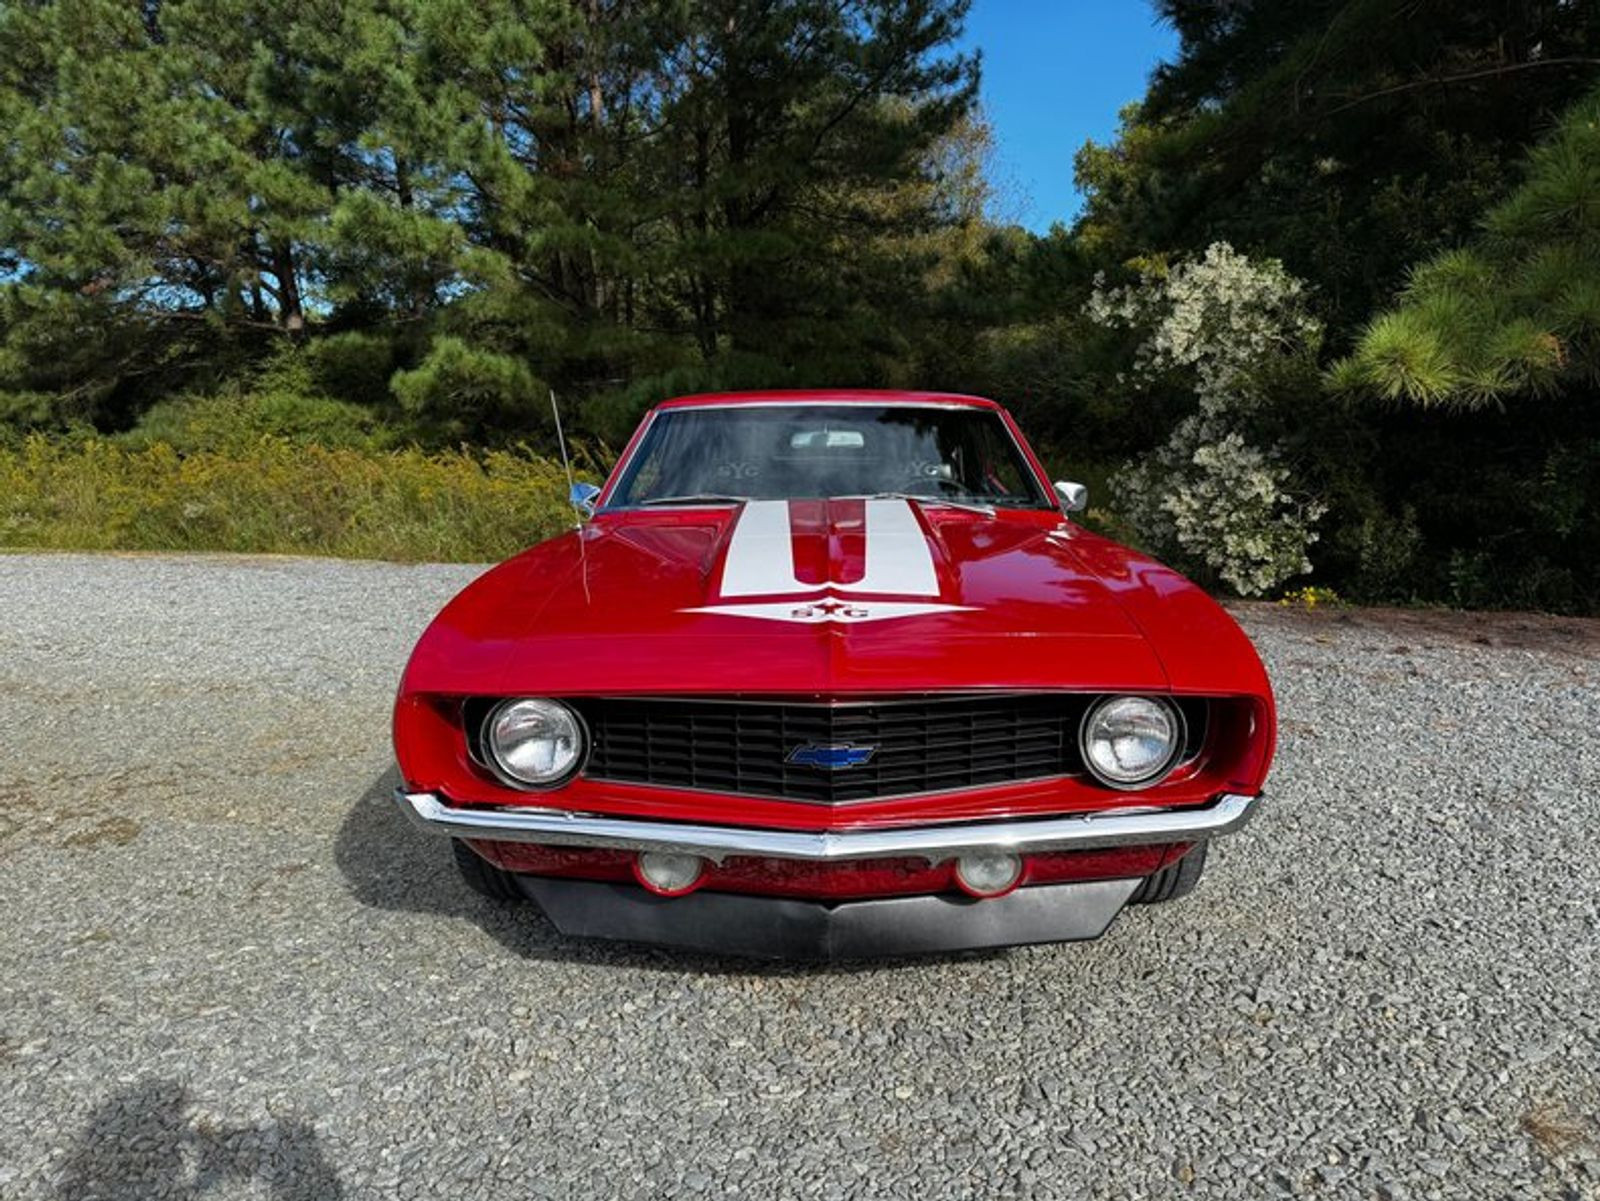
(1074, 497)
(583, 497)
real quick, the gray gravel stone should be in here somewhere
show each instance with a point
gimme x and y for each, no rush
(229, 970)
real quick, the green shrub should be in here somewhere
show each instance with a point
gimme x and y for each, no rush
(353, 366)
(277, 496)
(235, 420)
(463, 391)
(24, 412)
(279, 397)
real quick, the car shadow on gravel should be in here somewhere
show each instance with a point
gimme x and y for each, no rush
(389, 864)
(148, 1140)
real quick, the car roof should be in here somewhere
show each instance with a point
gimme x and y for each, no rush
(863, 396)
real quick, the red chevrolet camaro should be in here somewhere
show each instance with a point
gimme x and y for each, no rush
(832, 674)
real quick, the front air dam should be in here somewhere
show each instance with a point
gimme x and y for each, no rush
(782, 928)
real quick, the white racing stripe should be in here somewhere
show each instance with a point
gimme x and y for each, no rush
(760, 558)
(760, 562)
(899, 560)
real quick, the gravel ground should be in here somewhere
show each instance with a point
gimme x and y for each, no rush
(229, 970)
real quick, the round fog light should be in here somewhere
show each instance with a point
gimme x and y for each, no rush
(668, 873)
(988, 873)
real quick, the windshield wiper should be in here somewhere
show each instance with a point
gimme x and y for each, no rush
(695, 498)
(969, 506)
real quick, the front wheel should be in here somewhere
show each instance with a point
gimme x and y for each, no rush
(1170, 883)
(484, 877)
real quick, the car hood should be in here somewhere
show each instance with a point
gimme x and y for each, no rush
(818, 598)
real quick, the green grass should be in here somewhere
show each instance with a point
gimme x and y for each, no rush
(275, 495)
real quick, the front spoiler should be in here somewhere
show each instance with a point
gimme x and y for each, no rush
(935, 843)
(780, 928)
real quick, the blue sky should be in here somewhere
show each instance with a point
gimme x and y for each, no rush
(1055, 72)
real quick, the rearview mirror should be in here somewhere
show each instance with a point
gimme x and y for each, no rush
(1074, 497)
(827, 440)
(583, 497)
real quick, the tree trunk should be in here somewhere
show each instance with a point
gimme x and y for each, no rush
(290, 314)
(746, 281)
(702, 289)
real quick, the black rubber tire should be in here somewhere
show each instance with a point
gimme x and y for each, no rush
(1173, 882)
(484, 877)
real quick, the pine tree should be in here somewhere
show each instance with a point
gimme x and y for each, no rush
(188, 178)
(476, 199)
(1517, 312)
(1349, 140)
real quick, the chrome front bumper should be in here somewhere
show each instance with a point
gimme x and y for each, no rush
(936, 843)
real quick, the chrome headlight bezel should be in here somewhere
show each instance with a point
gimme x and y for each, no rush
(1164, 767)
(495, 758)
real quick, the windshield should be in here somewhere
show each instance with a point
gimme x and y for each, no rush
(789, 452)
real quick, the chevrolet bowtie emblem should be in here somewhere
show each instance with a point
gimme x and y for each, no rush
(830, 756)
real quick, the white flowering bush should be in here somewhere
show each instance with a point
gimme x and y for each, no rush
(1209, 497)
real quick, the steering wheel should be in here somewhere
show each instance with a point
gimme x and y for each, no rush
(924, 479)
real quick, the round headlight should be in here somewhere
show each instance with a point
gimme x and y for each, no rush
(1131, 741)
(534, 742)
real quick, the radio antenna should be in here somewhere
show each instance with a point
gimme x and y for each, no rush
(566, 462)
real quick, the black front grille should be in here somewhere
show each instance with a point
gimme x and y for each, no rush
(919, 746)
